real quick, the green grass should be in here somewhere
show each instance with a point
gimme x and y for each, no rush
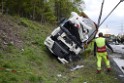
(33, 63)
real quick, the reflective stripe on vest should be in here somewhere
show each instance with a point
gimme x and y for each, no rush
(101, 49)
(100, 43)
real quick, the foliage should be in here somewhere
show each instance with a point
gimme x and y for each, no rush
(48, 11)
(33, 63)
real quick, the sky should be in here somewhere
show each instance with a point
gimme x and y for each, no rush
(114, 24)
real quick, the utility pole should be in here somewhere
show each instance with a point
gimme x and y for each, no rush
(122, 28)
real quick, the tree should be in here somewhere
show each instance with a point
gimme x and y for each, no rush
(63, 8)
(40, 10)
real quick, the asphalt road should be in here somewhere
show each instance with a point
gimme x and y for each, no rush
(117, 60)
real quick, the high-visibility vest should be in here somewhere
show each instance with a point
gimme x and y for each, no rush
(100, 43)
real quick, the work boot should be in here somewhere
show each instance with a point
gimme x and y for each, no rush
(109, 69)
(98, 71)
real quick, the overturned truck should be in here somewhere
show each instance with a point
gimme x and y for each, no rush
(65, 41)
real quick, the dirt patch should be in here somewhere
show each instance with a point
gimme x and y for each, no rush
(9, 32)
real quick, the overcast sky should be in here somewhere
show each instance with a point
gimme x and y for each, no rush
(114, 23)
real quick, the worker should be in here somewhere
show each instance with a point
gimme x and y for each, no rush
(100, 52)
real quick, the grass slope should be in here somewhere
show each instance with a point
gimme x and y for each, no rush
(24, 58)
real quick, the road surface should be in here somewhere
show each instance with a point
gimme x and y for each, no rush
(118, 60)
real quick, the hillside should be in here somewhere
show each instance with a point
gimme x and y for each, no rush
(24, 58)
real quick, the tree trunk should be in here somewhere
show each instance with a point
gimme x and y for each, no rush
(2, 6)
(34, 11)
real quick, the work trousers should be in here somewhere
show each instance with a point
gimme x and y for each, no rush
(100, 56)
